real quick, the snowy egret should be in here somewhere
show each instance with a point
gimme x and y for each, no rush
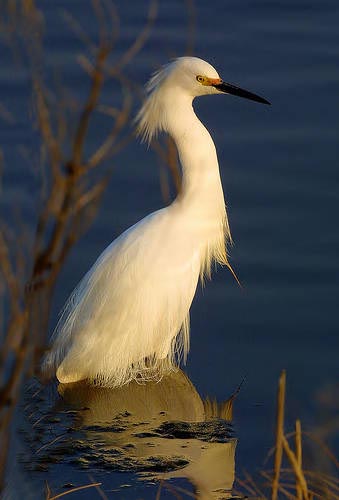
(129, 316)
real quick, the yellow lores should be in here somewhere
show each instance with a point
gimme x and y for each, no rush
(204, 80)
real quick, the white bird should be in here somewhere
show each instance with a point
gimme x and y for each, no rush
(129, 316)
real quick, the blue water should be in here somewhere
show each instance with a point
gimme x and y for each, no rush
(279, 167)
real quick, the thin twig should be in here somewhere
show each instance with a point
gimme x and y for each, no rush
(139, 42)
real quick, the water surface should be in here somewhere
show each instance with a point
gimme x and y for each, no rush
(279, 167)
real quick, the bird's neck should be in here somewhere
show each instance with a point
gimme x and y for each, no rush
(201, 185)
(201, 197)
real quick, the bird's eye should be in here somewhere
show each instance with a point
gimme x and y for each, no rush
(200, 79)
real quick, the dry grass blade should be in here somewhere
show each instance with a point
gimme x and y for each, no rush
(73, 490)
(281, 487)
(50, 443)
(279, 434)
(325, 448)
(243, 483)
(296, 468)
(48, 490)
(159, 490)
(254, 486)
(321, 483)
(97, 487)
(298, 453)
(292, 482)
(175, 490)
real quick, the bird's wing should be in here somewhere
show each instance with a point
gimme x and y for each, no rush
(135, 298)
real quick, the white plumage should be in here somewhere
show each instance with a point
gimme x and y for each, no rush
(129, 316)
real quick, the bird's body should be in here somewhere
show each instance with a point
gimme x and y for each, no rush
(129, 316)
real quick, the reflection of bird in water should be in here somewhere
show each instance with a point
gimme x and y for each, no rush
(160, 426)
(128, 317)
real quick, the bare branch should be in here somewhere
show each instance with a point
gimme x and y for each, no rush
(120, 120)
(7, 271)
(92, 100)
(45, 126)
(191, 26)
(79, 31)
(139, 42)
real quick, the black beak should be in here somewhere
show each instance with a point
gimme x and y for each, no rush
(228, 88)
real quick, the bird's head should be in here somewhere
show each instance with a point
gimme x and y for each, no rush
(185, 76)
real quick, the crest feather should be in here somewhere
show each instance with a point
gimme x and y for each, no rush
(150, 119)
